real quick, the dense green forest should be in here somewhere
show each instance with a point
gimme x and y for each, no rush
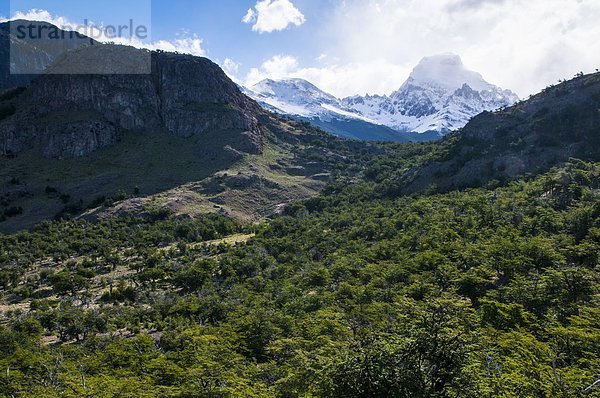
(360, 292)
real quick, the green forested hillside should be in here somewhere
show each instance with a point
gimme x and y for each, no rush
(357, 293)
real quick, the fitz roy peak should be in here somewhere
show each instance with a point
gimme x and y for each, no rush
(440, 95)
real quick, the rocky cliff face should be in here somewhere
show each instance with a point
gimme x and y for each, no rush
(73, 115)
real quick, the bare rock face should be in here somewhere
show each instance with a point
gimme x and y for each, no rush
(196, 96)
(77, 138)
(72, 115)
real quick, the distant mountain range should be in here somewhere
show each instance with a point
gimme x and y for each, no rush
(440, 95)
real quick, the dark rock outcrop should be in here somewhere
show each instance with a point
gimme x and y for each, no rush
(72, 115)
(77, 138)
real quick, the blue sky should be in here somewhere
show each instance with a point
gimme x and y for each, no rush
(359, 46)
(218, 23)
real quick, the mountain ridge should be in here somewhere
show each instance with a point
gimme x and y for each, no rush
(206, 147)
(71, 115)
(439, 96)
(304, 101)
(182, 137)
(530, 137)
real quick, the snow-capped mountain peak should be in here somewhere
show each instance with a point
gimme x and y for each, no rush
(291, 89)
(440, 95)
(447, 71)
(296, 97)
(302, 100)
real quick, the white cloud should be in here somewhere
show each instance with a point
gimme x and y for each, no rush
(375, 76)
(339, 79)
(278, 67)
(40, 15)
(273, 15)
(189, 44)
(250, 16)
(230, 67)
(523, 45)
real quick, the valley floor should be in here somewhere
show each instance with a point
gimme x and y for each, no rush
(355, 293)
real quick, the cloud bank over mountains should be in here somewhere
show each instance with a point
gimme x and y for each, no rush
(368, 46)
